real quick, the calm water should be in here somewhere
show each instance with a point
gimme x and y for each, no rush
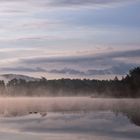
(74, 118)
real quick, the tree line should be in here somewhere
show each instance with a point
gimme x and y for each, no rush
(128, 86)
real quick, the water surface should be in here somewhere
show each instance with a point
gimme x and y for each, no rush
(73, 118)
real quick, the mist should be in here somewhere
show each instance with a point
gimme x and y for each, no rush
(18, 106)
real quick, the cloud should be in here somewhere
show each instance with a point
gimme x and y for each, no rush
(83, 2)
(34, 20)
(87, 65)
(129, 53)
(84, 65)
(22, 69)
(63, 3)
(67, 71)
(77, 59)
(121, 69)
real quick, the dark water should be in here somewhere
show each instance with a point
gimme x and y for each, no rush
(75, 118)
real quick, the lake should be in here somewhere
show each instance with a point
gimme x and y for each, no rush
(69, 118)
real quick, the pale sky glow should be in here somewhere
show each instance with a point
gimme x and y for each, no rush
(69, 38)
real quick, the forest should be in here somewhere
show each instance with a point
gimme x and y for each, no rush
(127, 87)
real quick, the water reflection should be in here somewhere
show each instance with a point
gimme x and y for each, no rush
(99, 125)
(132, 114)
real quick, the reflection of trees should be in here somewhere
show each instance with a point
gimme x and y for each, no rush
(133, 114)
(2, 88)
(134, 117)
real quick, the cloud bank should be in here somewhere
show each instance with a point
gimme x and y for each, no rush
(112, 63)
(83, 2)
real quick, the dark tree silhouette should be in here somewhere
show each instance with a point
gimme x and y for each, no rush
(128, 86)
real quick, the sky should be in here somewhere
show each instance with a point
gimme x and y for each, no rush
(69, 38)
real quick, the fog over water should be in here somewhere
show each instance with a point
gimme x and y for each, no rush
(69, 118)
(23, 105)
